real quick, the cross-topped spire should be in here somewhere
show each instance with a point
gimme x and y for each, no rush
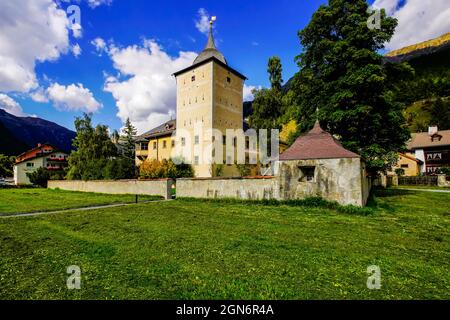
(210, 44)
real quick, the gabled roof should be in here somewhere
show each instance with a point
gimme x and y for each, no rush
(424, 140)
(40, 155)
(317, 144)
(407, 156)
(165, 129)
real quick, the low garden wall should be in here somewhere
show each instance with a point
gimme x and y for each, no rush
(240, 188)
(162, 187)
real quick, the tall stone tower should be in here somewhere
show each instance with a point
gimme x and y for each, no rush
(209, 96)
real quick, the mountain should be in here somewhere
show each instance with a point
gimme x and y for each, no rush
(421, 52)
(19, 134)
(431, 62)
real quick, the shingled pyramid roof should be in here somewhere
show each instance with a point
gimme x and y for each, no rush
(317, 144)
(210, 50)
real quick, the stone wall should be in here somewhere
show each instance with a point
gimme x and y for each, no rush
(238, 188)
(161, 187)
(341, 180)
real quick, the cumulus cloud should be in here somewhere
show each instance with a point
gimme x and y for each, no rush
(76, 50)
(99, 44)
(39, 95)
(74, 97)
(30, 31)
(202, 22)
(145, 91)
(248, 92)
(96, 3)
(418, 20)
(10, 105)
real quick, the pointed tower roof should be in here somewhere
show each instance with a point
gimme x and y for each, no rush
(317, 144)
(210, 49)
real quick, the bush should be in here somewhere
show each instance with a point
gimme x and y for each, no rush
(445, 170)
(154, 169)
(39, 177)
(400, 172)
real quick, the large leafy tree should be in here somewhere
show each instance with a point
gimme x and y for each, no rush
(268, 103)
(6, 166)
(94, 151)
(343, 76)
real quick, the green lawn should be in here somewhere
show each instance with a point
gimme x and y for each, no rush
(34, 199)
(186, 249)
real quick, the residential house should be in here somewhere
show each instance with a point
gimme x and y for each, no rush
(42, 156)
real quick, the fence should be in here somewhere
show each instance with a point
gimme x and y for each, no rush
(424, 181)
(162, 187)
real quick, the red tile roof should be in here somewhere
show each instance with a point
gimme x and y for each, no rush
(316, 144)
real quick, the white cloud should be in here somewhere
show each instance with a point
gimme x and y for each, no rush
(202, 22)
(148, 93)
(248, 94)
(74, 97)
(99, 44)
(30, 31)
(10, 105)
(96, 3)
(76, 50)
(39, 95)
(418, 20)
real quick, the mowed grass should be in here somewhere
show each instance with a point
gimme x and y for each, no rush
(34, 200)
(213, 250)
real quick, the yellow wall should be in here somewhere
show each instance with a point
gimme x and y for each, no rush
(160, 152)
(412, 169)
(209, 102)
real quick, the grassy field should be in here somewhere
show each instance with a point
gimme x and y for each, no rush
(34, 199)
(186, 249)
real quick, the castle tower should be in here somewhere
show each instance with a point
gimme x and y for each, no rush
(209, 96)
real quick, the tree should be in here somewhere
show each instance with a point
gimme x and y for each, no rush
(94, 149)
(129, 132)
(268, 103)
(440, 114)
(275, 71)
(39, 177)
(6, 166)
(342, 75)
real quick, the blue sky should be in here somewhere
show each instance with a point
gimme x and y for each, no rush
(247, 33)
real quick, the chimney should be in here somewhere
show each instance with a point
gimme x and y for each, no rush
(432, 130)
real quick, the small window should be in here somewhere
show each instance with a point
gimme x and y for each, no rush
(30, 165)
(144, 146)
(228, 160)
(197, 140)
(234, 142)
(405, 166)
(228, 79)
(164, 144)
(193, 78)
(155, 145)
(173, 143)
(213, 153)
(196, 160)
(307, 174)
(224, 139)
(183, 142)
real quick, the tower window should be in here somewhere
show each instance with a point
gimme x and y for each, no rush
(228, 79)
(183, 142)
(193, 78)
(197, 139)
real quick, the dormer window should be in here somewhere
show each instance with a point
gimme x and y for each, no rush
(436, 137)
